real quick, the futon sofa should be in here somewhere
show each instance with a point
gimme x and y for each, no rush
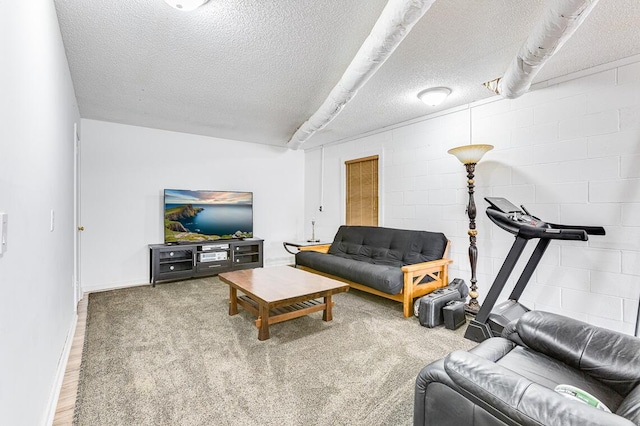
(511, 380)
(397, 264)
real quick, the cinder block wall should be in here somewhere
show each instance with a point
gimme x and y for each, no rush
(568, 151)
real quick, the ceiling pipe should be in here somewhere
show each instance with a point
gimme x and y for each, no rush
(560, 20)
(395, 22)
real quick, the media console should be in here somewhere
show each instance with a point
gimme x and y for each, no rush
(181, 261)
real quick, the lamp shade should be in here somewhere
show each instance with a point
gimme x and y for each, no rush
(470, 154)
(434, 96)
(186, 5)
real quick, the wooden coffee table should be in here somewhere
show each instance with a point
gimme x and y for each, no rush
(280, 293)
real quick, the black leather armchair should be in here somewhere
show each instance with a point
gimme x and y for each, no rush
(510, 380)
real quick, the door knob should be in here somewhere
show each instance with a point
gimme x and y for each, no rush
(80, 228)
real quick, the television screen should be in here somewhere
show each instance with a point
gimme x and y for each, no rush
(192, 216)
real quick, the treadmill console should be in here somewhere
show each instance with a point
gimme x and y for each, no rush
(514, 213)
(502, 204)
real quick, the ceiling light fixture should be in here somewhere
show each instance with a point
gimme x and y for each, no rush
(434, 96)
(186, 5)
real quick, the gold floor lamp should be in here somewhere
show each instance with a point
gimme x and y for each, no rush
(470, 155)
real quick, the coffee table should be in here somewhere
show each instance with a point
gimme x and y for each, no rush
(280, 293)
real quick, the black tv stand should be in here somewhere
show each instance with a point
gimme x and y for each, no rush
(179, 261)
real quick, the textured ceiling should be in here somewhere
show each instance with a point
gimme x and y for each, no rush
(255, 70)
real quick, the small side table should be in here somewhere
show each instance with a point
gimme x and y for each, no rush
(306, 245)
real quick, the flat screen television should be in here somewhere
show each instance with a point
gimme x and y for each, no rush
(192, 216)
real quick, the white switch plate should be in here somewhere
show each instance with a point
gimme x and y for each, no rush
(3, 232)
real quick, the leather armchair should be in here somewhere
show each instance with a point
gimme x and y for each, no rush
(510, 380)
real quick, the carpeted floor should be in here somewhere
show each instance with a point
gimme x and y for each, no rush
(172, 355)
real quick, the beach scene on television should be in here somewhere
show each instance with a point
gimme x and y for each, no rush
(192, 216)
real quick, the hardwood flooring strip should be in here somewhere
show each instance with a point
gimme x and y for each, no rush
(68, 392)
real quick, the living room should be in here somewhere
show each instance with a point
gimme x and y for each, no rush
(567, 150)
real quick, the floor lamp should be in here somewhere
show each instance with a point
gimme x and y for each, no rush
(470, 155)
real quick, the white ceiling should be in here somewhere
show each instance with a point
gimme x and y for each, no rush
(255, 70)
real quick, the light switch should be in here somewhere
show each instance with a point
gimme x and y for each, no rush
(52, 221)
(3, 232)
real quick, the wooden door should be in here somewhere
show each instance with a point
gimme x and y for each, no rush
(362, 191)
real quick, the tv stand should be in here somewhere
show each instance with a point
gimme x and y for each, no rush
(201, 259)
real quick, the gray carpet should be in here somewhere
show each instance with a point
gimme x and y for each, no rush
(172, 355)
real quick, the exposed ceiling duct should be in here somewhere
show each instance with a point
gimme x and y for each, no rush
(394, 23)
(559, 21)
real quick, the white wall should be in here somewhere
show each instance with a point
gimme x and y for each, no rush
(568, 151)
(125, 169)
(37, 110)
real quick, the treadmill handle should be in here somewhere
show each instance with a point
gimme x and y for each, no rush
(591, 230)
(594, 230)
(553, 233)
(571, 234)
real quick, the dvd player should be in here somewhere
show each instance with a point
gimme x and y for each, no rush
(209, 247)
(213, 256)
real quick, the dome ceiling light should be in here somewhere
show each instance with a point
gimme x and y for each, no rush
(434, 96)
(185, 5)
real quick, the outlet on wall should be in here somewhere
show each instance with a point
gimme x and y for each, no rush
(3, 232)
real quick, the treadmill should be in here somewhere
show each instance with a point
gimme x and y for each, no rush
(491, 318)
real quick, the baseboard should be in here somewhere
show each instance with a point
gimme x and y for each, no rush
(107, 287)
(62, 368)
(279, 261)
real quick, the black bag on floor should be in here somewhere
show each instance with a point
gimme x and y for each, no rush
(457, 284)
(461, 286)
(429, 307)
(453, 314)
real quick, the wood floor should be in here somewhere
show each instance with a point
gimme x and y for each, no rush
(67, 399)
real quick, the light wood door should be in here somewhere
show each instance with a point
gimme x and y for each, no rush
(362, 191)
